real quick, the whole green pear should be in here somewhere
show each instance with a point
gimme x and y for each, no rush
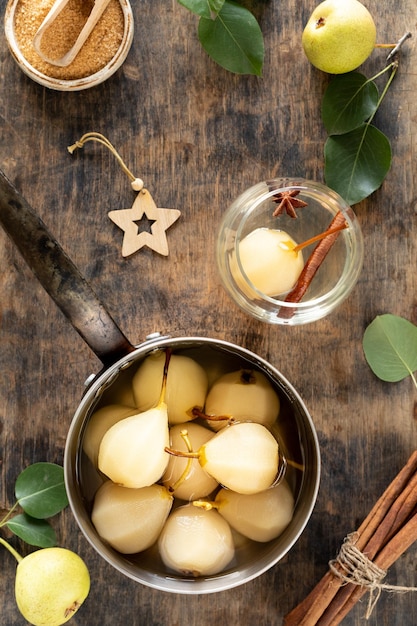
(51, 584)
(339, 36)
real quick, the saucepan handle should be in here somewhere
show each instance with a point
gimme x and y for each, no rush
(60, 277)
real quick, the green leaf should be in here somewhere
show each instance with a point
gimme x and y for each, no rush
(233, 40)
(348, 102)
(35, 532)
(357, 162)
(390, 347)
(216, 5)
(204, 8)
(40, 490)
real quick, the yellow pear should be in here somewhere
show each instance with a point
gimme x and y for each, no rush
(275, 270)
(51, 584)
(261, 516)
(130, 520)
(244, 395)
(186, 385)
(242, 457)
(132, 452)
(99, 423)
(196, 542)
(185, 478)
(339, 36)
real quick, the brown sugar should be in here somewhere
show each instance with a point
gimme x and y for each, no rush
(98, 50)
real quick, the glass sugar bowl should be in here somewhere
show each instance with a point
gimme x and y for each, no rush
(289, 251)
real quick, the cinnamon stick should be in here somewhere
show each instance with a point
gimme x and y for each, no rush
(391, 552)
(390, 495)
(398, 514)
(312, 264)
(387, 521)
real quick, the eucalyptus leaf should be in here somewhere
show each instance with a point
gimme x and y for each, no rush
(233, 39)
(348, 102)
(204, 8)
(40, 490)
(357, 162)
(35, 532)
(390, 347)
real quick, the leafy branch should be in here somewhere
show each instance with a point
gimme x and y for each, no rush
(230, 34)
(40, 494)
(357, 154)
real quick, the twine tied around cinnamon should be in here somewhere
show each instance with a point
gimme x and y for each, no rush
(355, 568)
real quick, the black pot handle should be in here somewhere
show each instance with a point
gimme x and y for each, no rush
(59, 276)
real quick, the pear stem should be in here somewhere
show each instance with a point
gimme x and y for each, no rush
(295, 465)
(207, 506)
(178, 483)
(395, 47)
(330, 231)
(164, 378)
(212, 418)
(187, 455)
(7, 545)
(385, 45)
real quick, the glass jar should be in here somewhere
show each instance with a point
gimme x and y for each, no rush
(337, 273)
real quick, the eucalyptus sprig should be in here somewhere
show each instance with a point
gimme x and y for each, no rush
(390, 348)
(230, 34)
(40, 494)
(357, 155)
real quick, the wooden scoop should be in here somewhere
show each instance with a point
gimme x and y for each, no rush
(96, 12)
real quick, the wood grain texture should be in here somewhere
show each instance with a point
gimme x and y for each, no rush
(198, 136)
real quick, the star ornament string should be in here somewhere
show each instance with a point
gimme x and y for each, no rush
(143, 206)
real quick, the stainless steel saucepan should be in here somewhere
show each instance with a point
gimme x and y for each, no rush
(120, 359)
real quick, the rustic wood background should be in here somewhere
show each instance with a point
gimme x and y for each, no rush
(198, 136)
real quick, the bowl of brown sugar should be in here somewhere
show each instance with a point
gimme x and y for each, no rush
(49, 62)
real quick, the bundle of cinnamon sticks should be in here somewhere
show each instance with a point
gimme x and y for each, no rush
(388, 531)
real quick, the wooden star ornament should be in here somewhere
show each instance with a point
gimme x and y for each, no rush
(129, 221)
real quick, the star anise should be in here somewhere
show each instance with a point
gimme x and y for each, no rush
(287, 201)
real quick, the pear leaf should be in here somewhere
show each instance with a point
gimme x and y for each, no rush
(216, 5)
(204, 8)
(233, 39)
(357, 162)
(40, 490)
(35, 532)
(390, 347)
(348, 102)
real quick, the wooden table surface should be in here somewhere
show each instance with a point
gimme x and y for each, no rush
(198, 136)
